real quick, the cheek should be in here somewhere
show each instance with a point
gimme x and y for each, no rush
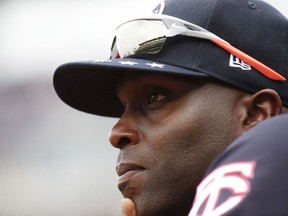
(189, 141)
(178, 149)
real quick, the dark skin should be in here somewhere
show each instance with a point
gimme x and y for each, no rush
(171, 130)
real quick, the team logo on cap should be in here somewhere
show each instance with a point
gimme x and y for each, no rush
(159, 8)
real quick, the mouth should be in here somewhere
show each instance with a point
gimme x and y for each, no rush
(126, 171)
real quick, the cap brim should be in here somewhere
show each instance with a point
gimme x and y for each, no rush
(91, 86)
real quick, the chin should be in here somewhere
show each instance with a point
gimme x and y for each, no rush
(150, 207)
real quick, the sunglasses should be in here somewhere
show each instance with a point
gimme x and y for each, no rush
(148, 34)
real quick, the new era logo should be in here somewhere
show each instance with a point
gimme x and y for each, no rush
(236, 62)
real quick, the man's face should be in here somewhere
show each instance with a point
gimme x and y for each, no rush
(171, 129)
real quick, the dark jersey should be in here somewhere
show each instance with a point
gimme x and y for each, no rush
(250, 177)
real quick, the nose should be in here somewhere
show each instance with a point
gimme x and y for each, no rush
(122, 134)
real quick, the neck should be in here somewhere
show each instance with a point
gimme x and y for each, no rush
(284, 110)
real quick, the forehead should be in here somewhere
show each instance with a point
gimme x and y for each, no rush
(136, 83)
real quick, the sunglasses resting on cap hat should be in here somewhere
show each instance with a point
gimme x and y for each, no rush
(242, 43)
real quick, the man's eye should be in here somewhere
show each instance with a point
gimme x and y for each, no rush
(155, 97)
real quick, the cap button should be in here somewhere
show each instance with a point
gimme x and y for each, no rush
(252, 5)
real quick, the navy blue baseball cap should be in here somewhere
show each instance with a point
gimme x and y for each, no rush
(254, 27)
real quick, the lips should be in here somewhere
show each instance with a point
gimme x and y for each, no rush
(127, 170)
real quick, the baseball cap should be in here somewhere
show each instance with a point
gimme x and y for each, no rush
(252, 26)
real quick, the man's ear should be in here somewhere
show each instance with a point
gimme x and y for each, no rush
(260, 106)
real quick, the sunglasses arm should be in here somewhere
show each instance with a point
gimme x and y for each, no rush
(266, 71)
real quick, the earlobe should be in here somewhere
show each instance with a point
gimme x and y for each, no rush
(262, 105)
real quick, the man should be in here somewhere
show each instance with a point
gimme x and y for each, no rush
(185, 83)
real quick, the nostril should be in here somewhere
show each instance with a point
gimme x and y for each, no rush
(121, 136)
(124, 141)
